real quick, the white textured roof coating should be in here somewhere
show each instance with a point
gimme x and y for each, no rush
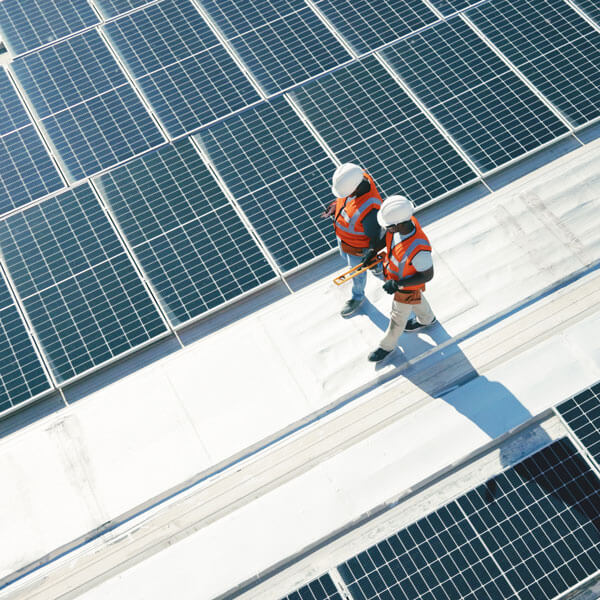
(501, 263)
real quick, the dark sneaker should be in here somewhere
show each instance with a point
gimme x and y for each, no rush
(378, 354)
(414, 325)
(351, 307)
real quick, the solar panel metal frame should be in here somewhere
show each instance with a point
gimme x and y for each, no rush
(574, 413)
(107, 87)
(353, 116)
(241, 190)
(144, 240)
(361, 13)
(30, 338)
(246, 49)
(28, 14)
(391, 55)
(545, 478)
(321, 588)
(495, 27)
(58, 380)
(181, 57)
(20, 130)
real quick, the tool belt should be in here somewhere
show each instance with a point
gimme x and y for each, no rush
(348, 249)
(408, 296)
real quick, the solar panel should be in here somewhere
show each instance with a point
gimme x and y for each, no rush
(193, 247)
(280, 177)
(26, 170)
(29, 24)
(112, 8)
(188, 77)
(366, 117)
(449, 7)
(86, 105)
(591, 8)
(282, 43)
(490, 112)
(83, 297)
(582, 415)
(21, 374)
(531, 532)
(322, 588)
(368, 24)
(555, 48)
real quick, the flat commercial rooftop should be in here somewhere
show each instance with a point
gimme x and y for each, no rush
(198, 474)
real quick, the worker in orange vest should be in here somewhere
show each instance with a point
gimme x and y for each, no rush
(407, 267)
(354, 215)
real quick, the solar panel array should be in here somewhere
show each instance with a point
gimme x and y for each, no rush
(529, 533)
(203, 135)
(582, 415)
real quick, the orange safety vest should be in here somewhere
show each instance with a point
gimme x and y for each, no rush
(400, 252)
(349, 216)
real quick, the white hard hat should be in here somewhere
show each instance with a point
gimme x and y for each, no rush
(346, 179)
(395, 209)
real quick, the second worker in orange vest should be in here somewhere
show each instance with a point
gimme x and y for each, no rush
(354, 215)
(407, 267)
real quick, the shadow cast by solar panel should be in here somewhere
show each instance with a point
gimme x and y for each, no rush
(37, 410)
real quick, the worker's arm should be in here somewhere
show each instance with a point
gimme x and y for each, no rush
(375, 234)
(424, 265)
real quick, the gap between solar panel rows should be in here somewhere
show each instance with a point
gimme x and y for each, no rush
(277, 182)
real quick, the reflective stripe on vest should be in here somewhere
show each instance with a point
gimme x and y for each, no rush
(358, 214)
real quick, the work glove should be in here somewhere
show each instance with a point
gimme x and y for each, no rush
(367, 256)
(391, 286)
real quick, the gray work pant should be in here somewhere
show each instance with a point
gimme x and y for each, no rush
(399, 317)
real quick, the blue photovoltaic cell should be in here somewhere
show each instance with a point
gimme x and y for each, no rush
(280, 177)
(28, 24)
(280, 50)
(591, 8)
(186, 74)
(555, 48)
(582, 415)
(81, 292)
(112, 8)
(540, 521)
(448, 7)
(368, 24)
(530, 533)
(21, 374)
(365, 117)
(26, 170)
(193, 247)
(86, 105)
(322, 588)
(473, 94)
(12, 112)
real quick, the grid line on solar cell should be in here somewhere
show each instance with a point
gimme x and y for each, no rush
(113, 8)
(531, 532)
(582, 415)
(556, 49)
(491, 113)
(81, 292)
(88, 109)
(279, 175)
(321, 588)
(378, 126)
(591, 9)
(12, 112)
(29, 24)
(26, 170)
(21, 374)
(281, 49)
(187, 76)
(449, 7)
(366, 25)
(189, 241)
